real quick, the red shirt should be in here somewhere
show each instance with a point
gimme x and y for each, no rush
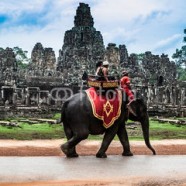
(125, 81)
(125, 85)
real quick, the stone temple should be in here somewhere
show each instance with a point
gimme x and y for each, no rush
(35, 89)
(83, 45)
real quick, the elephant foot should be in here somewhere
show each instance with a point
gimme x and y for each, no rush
(127, 153)
(98, 155)
(69, 153)
(75, 155)
(64, 149)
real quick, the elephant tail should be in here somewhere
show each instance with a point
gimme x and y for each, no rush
(63, 111)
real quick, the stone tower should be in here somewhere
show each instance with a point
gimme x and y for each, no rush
(43, 60)
(37, 56)
(83, 45)
(117, 58)
(8, 66)
(50, 59)
(112, 55)
(123, 54)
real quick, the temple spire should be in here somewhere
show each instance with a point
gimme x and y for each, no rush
(83, 16)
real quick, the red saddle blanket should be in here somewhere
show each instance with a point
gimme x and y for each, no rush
(104, 108)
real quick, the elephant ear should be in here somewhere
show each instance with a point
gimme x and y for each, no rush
(137, 107)
(132, 107)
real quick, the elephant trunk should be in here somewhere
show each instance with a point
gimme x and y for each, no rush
(138, 112)
(145, 129)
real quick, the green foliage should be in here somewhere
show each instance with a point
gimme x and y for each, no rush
(22, 65)
(19, 51)
(21, 57)
(181, 73)
(180, 57)
(57, 116)
(140, 56)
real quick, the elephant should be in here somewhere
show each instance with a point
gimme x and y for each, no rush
(78, 122)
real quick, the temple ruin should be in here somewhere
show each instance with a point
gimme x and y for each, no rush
(49, 80)
(83, 46)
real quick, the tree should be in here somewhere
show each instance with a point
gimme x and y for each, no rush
(180, 57)
(21, 57)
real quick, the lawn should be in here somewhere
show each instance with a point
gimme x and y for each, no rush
(28, 131)
(167, 131)
(35, 131)
(159, 131)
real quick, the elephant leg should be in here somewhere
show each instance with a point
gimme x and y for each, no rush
(71, 152)
(108, 137)
(69, 147)
(123, 137)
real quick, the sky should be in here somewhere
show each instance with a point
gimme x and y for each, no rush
(141, 25)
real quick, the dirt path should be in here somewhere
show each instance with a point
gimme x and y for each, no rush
(87, 147)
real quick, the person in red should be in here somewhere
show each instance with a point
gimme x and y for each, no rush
(125, 85)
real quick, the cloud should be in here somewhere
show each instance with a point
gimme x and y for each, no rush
(140, 25)
(125, 10)
(33, 21)
(168, 41)
(168, 45)
(14, 8)
(27, 40)
(120, 35)
(32, 13)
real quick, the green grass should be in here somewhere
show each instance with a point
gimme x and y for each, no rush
(159, 131)
(55, 131)
(56, 116)
(35, 131)
(167, 131)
